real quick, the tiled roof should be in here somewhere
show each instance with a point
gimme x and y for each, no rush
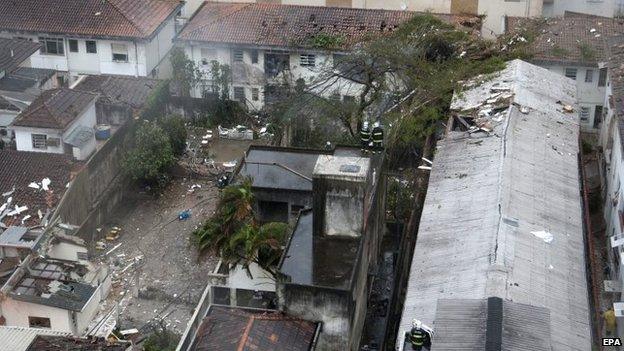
(125, 90)
(55, 109)
(235, 329)
(13, 52)
(291, 25)
(616, 79)
(574, 39)
(70, 343)
(18, 169)
(91, 18)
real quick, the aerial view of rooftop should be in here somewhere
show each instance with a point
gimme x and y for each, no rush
(311, 175)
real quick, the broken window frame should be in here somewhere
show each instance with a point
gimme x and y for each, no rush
(598, 114)
(571, 72)
(73, 45)
(254, 56)
(602, 77)
(91, 46)
(307, 60)
(238, 55)
(238, 94)
(255, 94)
(39, 322)
(39, 141)
(119, 52)
(52, 46)
(584, 113)
(589, 76)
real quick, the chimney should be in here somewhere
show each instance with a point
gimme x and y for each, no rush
(339, 187)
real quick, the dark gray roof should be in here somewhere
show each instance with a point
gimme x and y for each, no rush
(19, 237)
(280, 168)
(13, 52)
(73, 301)
(120, 90)
(491, 325)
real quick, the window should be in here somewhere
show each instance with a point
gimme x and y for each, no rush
(602, 77)
(239, 94)
(589, 76)
(237, 55)
(91, 46)
(73, 45)
(255, 94)
(597, 116)
(120, 52)
(208, 55)
(584, 113)
(254, 56)
(307, 60)
(82, 255)
(39, 141)
(51, 46)
(571, 73)
(39, 322)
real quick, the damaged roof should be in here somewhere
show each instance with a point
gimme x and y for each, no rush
(502, 216)
(71, 343)
(575, 38)
(119, 90)
(18, 169)
(15, 51)
(279, 25)
(20, 338)
(55, 109)
(238, 329)
(90, 18)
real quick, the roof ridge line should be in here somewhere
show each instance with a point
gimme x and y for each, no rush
(244, 5)
(125, 16)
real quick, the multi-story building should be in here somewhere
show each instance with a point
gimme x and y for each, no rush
(576, 46)
(266, 45)
(93, 36)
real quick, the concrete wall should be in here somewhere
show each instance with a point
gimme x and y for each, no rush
(607, 8)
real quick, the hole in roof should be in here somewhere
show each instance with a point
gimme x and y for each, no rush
(349, 168)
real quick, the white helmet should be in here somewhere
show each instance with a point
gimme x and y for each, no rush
(365, 125)
(376, 124)
(416, 324)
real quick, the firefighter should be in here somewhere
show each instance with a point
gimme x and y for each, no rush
(417, 335)
(365, 136)
(378, 136)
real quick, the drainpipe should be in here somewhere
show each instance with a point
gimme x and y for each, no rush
(136, 60)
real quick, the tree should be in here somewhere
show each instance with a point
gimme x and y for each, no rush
(151, 158)
(176, 131)
(161, 340)
(237, 237)
(186, 74)
(221, 75)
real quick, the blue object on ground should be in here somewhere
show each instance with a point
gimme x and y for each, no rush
(186, 214)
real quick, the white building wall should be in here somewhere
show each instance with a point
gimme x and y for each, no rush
(253, 75)
(17, 313)
(159, 46)
(23, 139)
(84, 317)
(261, 280)
(607, 8)
(589, 94)
(66, 251)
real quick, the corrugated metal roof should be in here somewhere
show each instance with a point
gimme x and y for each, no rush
(19, 338)
(486, 196)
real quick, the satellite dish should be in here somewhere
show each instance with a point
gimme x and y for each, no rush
(403, 6)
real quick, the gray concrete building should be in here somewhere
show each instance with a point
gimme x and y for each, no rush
(501, 244)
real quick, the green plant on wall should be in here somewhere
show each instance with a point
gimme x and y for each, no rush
(587, 52)
(326, 41)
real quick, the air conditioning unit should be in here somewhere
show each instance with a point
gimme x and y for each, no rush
(53, 142)
(618, 308)
(617, 240)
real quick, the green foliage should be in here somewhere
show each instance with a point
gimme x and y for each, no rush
(587, 52)
(558, 51)
(176, 131)
(156, 103)
(326, 41)
(186, 74)
(236, 236)
(221, 76)
(152, 156)
(161, 340)
(400, 199)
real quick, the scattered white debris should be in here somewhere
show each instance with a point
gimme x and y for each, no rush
(463, 53)
(113, 249)
(544, 235)
(592, 30)
(45, 183)
(27, 217)
(18, 210)
(33, 185)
